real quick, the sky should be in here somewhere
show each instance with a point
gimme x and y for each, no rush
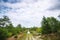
(29, 13)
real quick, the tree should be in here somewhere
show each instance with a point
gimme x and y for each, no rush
(3, 33)
(4, 21)
(53, 22)
(45, 26)
(50, 25)
(6, 28)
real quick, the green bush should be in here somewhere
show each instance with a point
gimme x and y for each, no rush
(3, 33)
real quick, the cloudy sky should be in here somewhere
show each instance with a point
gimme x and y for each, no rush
(29, 12)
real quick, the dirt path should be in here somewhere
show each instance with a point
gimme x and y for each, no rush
(25, 36)
(11, 38)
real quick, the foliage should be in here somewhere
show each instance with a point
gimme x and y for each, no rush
(3, 33)
(38, 30)
(45, 26)
(50, 25)
(7, 29)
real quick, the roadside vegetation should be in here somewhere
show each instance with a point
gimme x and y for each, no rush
(49, 30)
(7, 29)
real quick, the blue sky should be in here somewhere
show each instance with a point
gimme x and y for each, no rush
(29, 12)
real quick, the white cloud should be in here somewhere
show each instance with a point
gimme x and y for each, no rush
(30, 12)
